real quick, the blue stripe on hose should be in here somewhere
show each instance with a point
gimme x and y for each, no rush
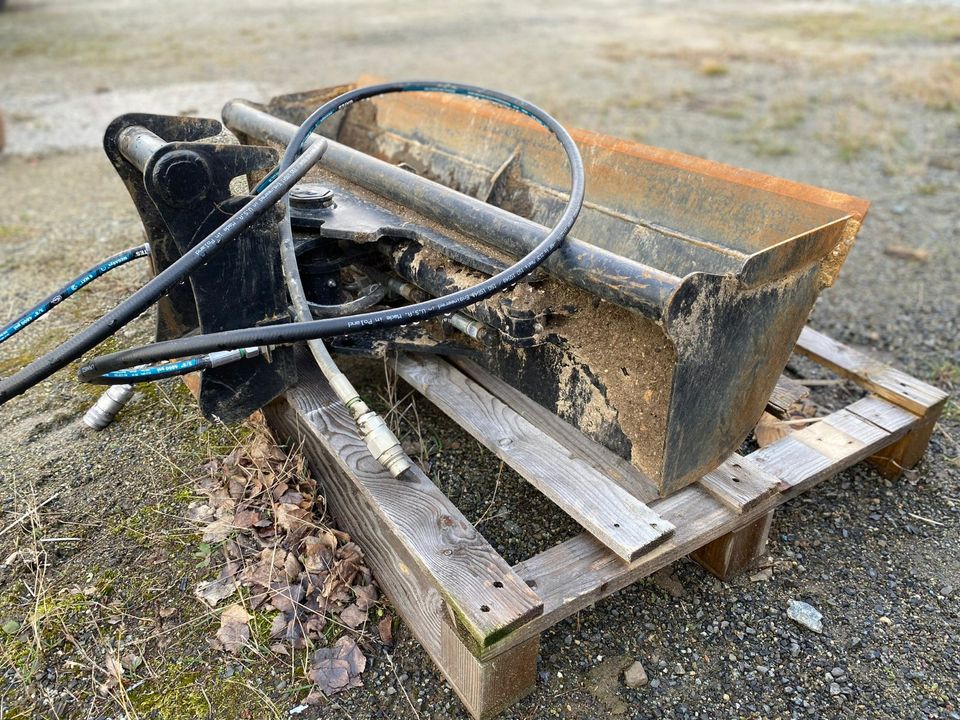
(51, 302)
(153, 371)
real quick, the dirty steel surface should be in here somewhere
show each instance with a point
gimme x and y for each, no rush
(658, 214)
(859, 97)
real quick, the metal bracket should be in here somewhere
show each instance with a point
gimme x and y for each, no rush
(181, 188)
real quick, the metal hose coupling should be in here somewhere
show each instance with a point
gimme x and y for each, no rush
(379, 438)
(382, 443)
(107, 406)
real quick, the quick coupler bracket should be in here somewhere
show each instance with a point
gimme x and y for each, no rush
(180, 182)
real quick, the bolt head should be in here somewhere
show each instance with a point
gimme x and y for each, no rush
(182, 178)
(311, 195)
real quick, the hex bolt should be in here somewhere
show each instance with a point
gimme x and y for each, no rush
(182, 178)
(107, 406)
(311, 195)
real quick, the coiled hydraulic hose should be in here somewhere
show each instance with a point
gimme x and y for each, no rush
(82, 280)
(271, 190)
(394, 317)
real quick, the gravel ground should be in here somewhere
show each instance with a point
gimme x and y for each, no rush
(862, 98)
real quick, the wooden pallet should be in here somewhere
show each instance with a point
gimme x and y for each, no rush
(479, 618)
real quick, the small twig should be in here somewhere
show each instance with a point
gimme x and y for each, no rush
(402, 688)
(947, 435)
(812, 382)
(927, 520)
(61, 539)
(27, 513)
(798, 421)
(493, 498)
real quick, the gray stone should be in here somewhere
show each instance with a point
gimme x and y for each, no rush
(806, 615)
(635, 676)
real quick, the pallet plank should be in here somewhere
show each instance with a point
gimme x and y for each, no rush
(487, 598)
(739, 483)
(883, 414)
(792, 461)
(580, 571)
(484, 687)
(829, 440)
(888, 382)
(577, 444)
(785, 394)
(615, 517)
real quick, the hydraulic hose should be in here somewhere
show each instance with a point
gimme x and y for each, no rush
(82, 280)
(143, 298)
(394, 317)
(149, 373)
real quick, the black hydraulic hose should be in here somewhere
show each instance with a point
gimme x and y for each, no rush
(143, 298)
(373, 295)
(412, 314)
(82, 280)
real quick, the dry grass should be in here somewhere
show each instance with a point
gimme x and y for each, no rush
(403, 417)
(936, 87)
(713, 67)
(860, 129)
(876, 25)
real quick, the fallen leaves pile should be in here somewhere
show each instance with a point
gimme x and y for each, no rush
(263, 510)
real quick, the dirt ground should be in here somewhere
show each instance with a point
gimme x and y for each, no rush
(96, 552)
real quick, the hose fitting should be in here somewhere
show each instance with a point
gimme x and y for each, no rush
(222, 357)
(107, 406)
(382, 443)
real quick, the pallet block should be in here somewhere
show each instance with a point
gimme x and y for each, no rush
(480, 619)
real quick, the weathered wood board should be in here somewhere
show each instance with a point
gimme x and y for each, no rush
(479, 619)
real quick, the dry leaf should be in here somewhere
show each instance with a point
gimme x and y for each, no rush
(285, 598)
(200, 512)
(665, 579)
(366, 596)
(112, 667)
(292, 517)
(331, 676)
(769, 429)
(219, 530)
(292, 567)
(318, 552)
(352, 616)
(234, 632)
(263, 505)
(246, 519)
(903, 252)
(338, 668)
(385, 629)
(315, 625)
(314, 698)
(213, 591)
(279, 626)
(267, 569)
